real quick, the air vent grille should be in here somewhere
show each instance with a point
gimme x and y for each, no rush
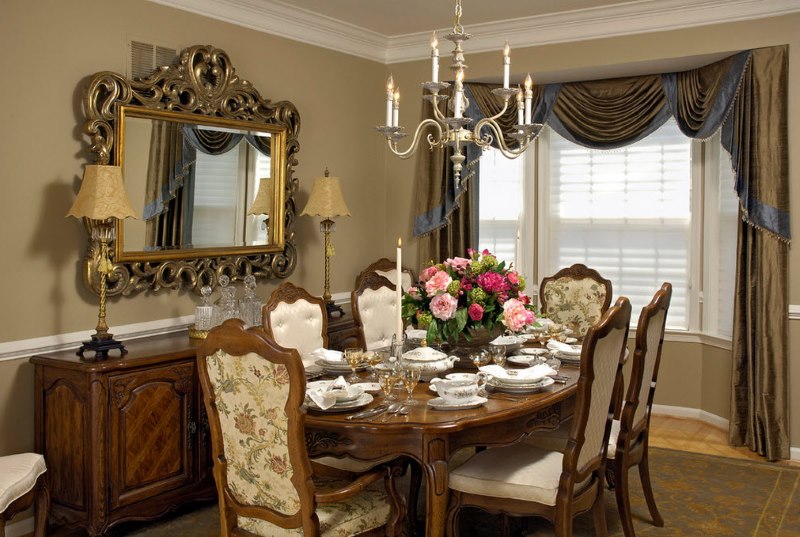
(146, 58)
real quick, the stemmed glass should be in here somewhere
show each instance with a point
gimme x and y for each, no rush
(410, 377)
(479, 357)
(387, 380)
(498, 354)
(373, 358)
(353, 356)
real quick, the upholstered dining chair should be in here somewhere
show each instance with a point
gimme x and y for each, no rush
(628, 443)
(524, 480)
(388, 269)
(373, 303)
(576, 297)
(296, 320)
(253, 391)
(23, 483)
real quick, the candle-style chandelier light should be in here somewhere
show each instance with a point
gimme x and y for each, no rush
(453, 131)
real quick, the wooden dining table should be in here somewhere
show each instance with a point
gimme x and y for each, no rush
(432, 437)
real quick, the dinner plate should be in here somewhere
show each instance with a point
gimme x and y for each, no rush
(533, 351)
(354, 391)
(437, 403)
(361, 402)
(338, 367)
(526, 359)
(521, 388)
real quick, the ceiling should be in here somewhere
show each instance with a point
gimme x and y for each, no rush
(392, 31)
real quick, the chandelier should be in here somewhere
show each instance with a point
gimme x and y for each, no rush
(453, 131)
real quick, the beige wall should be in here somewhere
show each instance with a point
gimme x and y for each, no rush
(56, 45)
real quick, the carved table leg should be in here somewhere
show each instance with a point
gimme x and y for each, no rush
(434, 464)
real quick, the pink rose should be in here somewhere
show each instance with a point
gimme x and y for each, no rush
(475, 312)
(525, 299)
(516, 316)
(426, 274)
(438, 283)
(444, 306)
(492, 282)
(413, 292)
(459, 264)
(513, 278)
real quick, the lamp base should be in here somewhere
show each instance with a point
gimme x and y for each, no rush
(332, 308)
(100, 345)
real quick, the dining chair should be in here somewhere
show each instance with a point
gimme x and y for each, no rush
(629, 439)
(524, 480)
(253, 391)
(576, 297)
(296, 320)
(23, 484)
(373, 303)
(388, 269)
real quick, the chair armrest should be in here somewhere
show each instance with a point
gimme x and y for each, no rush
(353, 488)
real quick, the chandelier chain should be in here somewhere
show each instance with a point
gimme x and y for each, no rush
(457, 28)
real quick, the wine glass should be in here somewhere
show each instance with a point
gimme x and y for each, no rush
(373, 358)
(479, 357)
(387, 380)
(353, 356)
(410, 377)
(498, 354)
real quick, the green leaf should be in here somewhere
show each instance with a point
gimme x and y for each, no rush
(461, 319)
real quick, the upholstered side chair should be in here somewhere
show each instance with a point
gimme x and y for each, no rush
(253, 391)
(629, 440)
(523, 480)
(576, 297)
(388, 269)
(296, 320)
(373, 303)
(23, 483)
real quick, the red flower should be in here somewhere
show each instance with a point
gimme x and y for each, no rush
(475, 312)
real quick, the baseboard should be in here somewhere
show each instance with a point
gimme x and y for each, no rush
(20, 528)
(706, 417)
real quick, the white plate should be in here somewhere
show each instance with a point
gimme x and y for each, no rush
(362, 401)
(437, 403)
(536, 351)
(521, 388)
(334, 367)
(353, 392)
(570, 340)
(371, 387)
(527, 360)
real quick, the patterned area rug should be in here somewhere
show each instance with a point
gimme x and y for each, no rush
(698, 495)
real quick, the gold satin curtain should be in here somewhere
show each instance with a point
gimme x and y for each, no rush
(744, 96)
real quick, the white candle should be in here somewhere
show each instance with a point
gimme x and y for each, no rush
(389, 100)
(458, 96)
(396, 109)
(520, 108)
(528, 98)
(434, 59)
(506, 65)
(399, 292)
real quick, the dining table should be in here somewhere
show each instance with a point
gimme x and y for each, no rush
(432, 436)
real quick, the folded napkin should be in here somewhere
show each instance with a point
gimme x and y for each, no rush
(413, 333)
(531, 373)
(327, 355)
(324, 399)
(505, 340)
(572, 350)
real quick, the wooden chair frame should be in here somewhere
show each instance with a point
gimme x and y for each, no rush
(39, 498)
(383, 264)
(234, 339)
(578, 271)
(366, 280)
(568, 502)
(633, 438)
(289, 293)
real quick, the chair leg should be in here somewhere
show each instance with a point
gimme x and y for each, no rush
(2, 527)
(453, 512)
(415, 480)
(599, 512)
(623, 498)
(41, 508)
(644, 475)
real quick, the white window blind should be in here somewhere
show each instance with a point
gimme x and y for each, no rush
(501, 204)
(724, 211)
(218, 198)
(625, 213)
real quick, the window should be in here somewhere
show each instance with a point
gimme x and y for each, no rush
(647, 213)
(500, 204)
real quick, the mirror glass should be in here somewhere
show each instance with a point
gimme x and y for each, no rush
(196, 185)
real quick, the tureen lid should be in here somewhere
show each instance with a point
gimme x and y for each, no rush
(424, 354)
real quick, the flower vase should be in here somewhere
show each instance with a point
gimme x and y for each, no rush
(478, 338)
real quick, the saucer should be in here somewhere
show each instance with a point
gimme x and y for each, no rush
(530, 387)
(438, 403)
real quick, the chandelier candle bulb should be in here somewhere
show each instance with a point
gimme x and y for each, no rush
(399, 293)
(389, 100)
(434, 58)
(506, 65)
(528, 98)
(396, 109)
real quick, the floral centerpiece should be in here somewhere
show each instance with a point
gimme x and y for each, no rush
(462, 295)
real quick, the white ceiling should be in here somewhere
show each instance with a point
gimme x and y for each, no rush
(392, 31)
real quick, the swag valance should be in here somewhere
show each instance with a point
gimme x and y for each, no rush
(743, 95)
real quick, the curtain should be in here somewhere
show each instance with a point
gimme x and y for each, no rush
(744, 96)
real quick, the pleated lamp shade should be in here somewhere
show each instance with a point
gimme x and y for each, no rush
(102, 195)
(263, 202)
(326, 198)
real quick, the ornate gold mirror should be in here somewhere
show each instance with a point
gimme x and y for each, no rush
(208, 165)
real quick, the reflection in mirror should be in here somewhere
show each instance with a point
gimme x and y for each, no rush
(196, 187)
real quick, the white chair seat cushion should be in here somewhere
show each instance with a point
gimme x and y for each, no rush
(519, 471)
(612, 439)
(18, 475)
(551, 439)
(368, 510)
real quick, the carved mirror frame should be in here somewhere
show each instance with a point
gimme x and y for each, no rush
(203, 84)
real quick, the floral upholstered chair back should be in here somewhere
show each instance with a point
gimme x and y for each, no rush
(373, 303)
(296, 320)
(253, 390)
(576, 297)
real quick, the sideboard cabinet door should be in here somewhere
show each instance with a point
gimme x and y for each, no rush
(153, 424)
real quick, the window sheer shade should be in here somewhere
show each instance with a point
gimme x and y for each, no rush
(625, 213)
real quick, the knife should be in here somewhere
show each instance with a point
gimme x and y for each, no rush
(369, 412)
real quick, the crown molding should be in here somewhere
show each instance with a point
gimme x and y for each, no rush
(640, 16)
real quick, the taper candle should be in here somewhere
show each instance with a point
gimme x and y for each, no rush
(399, 292)
(506, 65)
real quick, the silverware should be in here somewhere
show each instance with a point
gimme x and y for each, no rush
(395, 408)
(369, 413)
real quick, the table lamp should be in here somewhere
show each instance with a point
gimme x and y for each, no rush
(262, 205)
(102, 199)
(326, 201)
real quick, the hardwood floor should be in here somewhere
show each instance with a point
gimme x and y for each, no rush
(688, 434)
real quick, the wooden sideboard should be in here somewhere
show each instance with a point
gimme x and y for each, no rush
(342, 333)
(125, 438)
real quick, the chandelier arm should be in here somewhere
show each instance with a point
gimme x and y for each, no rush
(500, 113)
(441, 117)
(415, 141)
(504, 149)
